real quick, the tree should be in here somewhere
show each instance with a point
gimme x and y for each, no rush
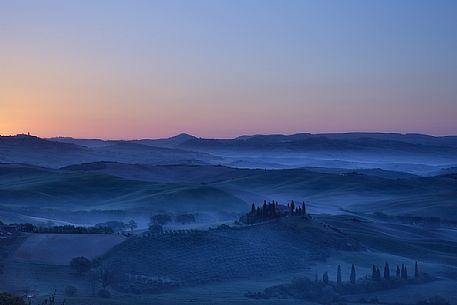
(292, 207)
(51, 300)
(325, 278)
(106, 277)
(132, 225)
(375, 274)
(70, 291)
(352, 276)
(80, 264)
(416, 271)
(398, 274)
(303, 208)
(253, 209)
(155, 229)
(338, 275)
(404, 272)
(386, 272)
(160, 219)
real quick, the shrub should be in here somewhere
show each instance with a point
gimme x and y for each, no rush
(70, 291)
(103, 293)
(435, 300)
(80, 264)
(155, 229)
(9, 299)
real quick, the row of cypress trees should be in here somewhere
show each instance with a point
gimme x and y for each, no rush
(376, 274)
(399, 273)
(339, 281)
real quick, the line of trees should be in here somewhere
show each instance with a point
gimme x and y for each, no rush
(401, 274)
(65, 229)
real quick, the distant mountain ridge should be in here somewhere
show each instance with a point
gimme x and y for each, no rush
(325, 140)
(393, 151)
(58, 152)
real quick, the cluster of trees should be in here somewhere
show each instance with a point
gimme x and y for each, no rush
(265, 212)
(159, 220)
(272, 210)
(96, 274)
(10, 299)
(297, 209)
(66, 229)
(118, 226)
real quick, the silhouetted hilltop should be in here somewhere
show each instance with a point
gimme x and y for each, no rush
(54, 153)
(362, 142)
(81, 142)
(167, 142)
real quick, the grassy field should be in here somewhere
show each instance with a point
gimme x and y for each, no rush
(59, 249)
(220, 266)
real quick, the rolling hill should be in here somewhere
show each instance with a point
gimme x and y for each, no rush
(40, 191)
(42, 152)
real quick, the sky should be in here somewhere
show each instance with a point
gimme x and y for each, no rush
(223, 68)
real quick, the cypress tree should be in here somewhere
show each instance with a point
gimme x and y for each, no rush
(404, 272)
(352, 277)
(398, 272)
(325, 278)
(373, 273)
(253, 209)
(292, 207)
(338, 275)
(386, 272)
(416, 271)
(303, 208)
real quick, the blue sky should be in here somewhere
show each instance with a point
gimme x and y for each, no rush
(130, 69)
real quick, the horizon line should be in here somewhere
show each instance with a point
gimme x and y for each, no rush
(231, 138)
